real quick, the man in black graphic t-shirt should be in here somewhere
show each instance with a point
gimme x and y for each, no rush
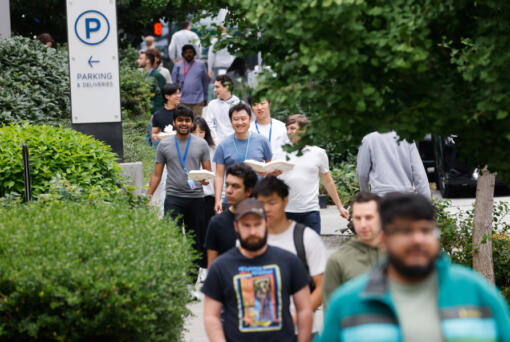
(253, 284)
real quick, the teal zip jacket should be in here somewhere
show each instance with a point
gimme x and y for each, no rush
(470, 308)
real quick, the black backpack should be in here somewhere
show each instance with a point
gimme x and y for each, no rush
(299, 244)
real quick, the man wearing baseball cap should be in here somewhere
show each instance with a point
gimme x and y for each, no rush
(253, 283)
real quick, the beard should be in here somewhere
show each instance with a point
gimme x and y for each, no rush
(415, 272)
(253, 244)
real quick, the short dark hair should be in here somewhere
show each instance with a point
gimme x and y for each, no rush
(169, 89)
(270, 185)
(365, 196)
(239, 107)
(225, 81)
(404, 205)
(150, 55)
(244, 172)
(184, 24)
(254, 100)
(189, 47)
(182, 110)
(155, 53)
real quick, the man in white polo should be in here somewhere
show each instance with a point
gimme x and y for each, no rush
(303, 180)
(217, 110)
(274, 130)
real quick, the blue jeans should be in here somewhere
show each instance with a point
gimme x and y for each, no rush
(310, 219)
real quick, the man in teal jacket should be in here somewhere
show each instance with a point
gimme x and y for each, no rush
(416, 295)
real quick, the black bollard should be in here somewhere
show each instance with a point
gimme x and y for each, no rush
(26, 165)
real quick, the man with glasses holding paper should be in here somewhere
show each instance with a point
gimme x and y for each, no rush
(182, 153)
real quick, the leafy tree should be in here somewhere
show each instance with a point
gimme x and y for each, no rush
(134, 17)
(417, 67)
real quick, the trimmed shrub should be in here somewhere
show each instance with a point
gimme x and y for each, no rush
(91, 272)
(457, 239)
(135, 90)
(34, 82)
(56, 153)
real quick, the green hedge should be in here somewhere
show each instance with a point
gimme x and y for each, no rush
(56, 153)
(82, 272)
(34, 82)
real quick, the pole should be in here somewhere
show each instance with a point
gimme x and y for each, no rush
(26, 166)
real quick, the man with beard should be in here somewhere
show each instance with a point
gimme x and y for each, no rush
(417, 295)
(253, 283)
(184, 199)
(190, 75)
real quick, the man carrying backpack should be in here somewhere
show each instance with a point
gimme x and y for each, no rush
(291, 236)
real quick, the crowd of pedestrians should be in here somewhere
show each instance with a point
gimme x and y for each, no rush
(263, 265)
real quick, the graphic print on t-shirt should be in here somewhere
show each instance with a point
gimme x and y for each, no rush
(258, 293)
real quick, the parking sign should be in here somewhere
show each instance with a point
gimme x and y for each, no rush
(93, 61)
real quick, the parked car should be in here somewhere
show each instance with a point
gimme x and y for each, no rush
(452, 176)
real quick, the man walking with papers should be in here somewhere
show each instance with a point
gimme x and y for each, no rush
(238, 147)
(182, 153)
(312, 166)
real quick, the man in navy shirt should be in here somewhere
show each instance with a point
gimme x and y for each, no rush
(253, 284)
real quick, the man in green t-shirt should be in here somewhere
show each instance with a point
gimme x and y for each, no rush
(361, 253)
(417, 294)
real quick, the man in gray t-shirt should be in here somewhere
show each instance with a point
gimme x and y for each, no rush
(184, 199)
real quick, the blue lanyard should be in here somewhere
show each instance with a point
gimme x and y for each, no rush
(185, 153)
(247, 148)
(150, 71)
(270, 128)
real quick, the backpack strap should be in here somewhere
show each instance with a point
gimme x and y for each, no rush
(299, 232)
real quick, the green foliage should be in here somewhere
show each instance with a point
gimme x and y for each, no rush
(346, 181)
(136, 147)
(34, 82)
(134, 17)
(86, 271)
(456, 239)
(56, 152)
(134, 88)
(415, 66)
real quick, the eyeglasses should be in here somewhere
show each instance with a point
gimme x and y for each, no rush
(408, 232)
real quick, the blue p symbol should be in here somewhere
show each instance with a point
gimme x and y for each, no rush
(89, 28)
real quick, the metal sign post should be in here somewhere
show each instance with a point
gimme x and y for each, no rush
(94, 70)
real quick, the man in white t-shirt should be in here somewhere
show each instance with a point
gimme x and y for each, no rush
(183, 37)
(274, 130)
(273, 193)
(303, 180)
(216, 114)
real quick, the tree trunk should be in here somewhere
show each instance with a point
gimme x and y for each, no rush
(482, 225)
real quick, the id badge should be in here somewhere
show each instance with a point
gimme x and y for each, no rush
(191, 183)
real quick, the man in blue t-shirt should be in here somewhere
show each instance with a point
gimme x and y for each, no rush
(252, 285)
(240, 146)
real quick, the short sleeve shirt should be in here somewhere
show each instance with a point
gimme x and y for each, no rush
(304, 195)
(177, 179)
(275, 133)
(221, 235)
(255, 293)
(163, 118)
(232, 150)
